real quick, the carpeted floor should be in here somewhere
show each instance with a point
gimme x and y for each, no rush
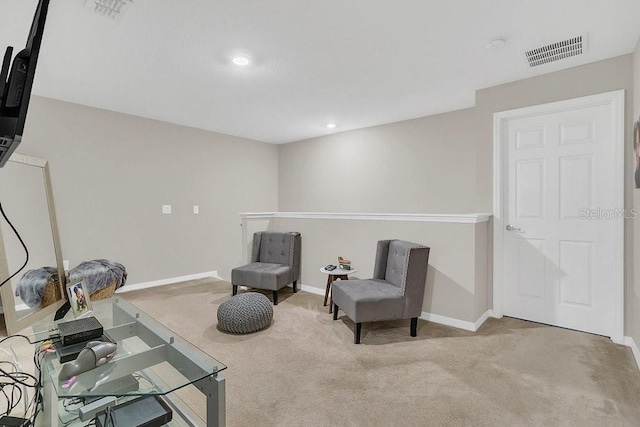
(304, 369)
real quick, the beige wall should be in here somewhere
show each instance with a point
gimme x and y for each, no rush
(633, 290)
(598, 77)
(438, 164)
(482, 298)
(453, 270)
(426, 165)
(112, 172)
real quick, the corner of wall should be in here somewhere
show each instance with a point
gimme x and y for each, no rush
(632, 294)
(482, 269)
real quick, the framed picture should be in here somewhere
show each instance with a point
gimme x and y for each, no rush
(79, 299)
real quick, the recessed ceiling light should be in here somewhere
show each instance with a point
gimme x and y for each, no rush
(495, 44)
(241, 61)
(331, 125)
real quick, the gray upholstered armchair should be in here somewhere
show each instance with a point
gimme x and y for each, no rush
(275, 262)
(395, 292)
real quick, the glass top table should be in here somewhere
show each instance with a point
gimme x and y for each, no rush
(150, 360)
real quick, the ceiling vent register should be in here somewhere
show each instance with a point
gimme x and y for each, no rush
(557, 51)
(113, 9)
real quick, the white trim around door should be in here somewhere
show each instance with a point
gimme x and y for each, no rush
(614, 99)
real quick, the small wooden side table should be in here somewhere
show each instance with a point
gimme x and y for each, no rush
(332, 275)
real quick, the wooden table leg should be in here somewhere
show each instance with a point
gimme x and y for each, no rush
(326, 292)
(335, 277)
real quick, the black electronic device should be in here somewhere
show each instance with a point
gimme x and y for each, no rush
(62, 311)
(67, 353)
(8, 421)
(79, 330)
(146, 411)
(330, 267)
(16, 81)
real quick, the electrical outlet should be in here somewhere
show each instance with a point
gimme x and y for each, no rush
(196, 209)
(65, 264)
(166, 209)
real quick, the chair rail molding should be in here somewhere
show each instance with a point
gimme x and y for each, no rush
(472, 218)
(245, 217)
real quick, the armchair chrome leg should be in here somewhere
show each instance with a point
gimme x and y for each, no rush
(414, 326)
(275, 297)
(295, 286)
(235, 290)
(356, 333)
(335, 311)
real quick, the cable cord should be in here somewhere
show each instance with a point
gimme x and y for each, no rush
(26, 338)
(26, 251)
(17, 367)
(14, 384)
(37, 401)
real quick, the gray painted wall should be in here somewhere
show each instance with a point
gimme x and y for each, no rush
(633, 290)
(455, 269)
(441, 163)
(426, 165)
(112, 172)
(590, 79)
(598, 77)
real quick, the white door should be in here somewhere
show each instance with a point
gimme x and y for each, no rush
(560, 213)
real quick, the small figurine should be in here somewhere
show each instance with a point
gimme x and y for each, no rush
(345, 264)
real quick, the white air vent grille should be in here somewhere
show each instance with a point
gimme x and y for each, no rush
(557, 51)
(113, 9)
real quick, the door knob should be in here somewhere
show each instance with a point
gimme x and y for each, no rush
(511, 228)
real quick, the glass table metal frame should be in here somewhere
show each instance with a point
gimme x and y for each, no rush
(153, 353)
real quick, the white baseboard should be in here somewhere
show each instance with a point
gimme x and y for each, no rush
(448, 321)
(307, 288)
(169, 281)
(630, 342)
(483, 319)
(312, 289)
(457, 323)
(436, 318)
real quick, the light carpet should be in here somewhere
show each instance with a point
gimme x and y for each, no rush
(304, 370)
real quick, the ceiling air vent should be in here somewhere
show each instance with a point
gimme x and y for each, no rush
(113, 9)
(557, 51)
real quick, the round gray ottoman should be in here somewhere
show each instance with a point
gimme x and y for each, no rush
(245, 313)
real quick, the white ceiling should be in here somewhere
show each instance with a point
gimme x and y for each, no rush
(357, 63)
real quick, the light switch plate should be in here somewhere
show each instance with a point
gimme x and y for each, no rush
(166, 209)
(196, 209)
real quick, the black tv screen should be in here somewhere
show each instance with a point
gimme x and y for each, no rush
(16, 80)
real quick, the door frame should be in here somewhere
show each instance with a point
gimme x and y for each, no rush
(500, 146)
